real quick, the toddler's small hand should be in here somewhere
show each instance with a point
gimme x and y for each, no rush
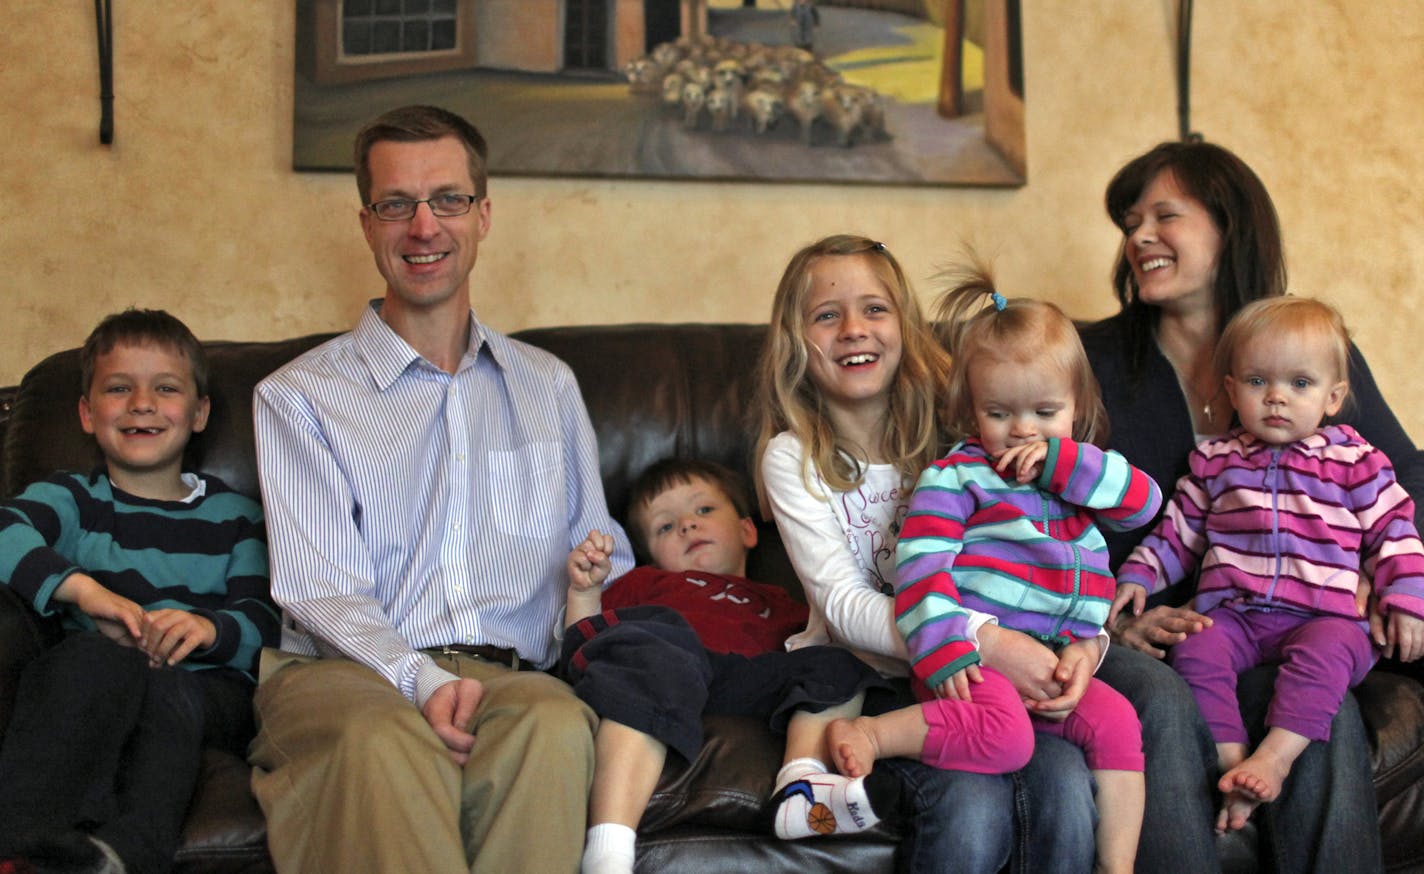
(1406, 635)
(589, 563)
(1127, 593)
(956, 688)
(1026, 461)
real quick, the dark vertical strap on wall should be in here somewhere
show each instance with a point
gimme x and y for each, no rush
(1184, 73)
(104, 18)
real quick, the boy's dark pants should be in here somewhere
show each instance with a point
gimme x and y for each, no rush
(646, 668)
(101, 742)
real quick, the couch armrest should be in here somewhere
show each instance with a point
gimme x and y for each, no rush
(22, 636)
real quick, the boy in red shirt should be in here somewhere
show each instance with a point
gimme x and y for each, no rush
(688, 635)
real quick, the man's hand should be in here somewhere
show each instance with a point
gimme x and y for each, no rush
(1158, 627)
(99, 604)
(169, 636)
(1028, 664)
(450, 711)
(1025, 460)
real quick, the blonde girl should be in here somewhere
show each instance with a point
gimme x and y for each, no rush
(850, 381)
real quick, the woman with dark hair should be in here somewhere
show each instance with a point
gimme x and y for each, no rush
(1200, 240)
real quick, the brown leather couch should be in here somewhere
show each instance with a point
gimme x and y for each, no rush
(652, 391)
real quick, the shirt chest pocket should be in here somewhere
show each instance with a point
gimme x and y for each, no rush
(527, 489)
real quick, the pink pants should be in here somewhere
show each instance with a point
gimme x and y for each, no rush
(993, 733)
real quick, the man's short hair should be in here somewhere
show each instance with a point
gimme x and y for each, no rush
(670, 472)
(143, 328)
(414, 124)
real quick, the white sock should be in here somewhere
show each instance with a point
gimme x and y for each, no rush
(812, 802)
(798, 769)
(112, 863)
(609, 849)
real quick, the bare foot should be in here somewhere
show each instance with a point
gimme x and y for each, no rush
(853, 745)
(1256, 780)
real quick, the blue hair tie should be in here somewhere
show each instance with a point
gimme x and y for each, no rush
(999, 301)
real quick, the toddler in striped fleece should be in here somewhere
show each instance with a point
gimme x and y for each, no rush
(1005, 529)
(1285, 520)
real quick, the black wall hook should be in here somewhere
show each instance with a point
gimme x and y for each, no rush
(104, 19)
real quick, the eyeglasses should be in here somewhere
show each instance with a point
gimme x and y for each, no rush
(443, 205)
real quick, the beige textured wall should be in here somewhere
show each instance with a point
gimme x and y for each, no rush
(196, 209)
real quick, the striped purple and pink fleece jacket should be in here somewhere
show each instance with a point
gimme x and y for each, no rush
(1029, 554)
(1289, 526)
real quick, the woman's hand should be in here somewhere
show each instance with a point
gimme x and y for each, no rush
(1158, 627)
(1028, 664)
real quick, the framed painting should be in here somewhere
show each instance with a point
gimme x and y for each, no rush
(889, 92)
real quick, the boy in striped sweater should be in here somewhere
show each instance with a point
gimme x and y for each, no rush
(159, 579)
(1284, 522)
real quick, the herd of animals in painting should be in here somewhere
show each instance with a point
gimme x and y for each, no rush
(723, 85)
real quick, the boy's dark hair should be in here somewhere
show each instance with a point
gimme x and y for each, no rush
(143, 328)
(663, 475)
(415, 124)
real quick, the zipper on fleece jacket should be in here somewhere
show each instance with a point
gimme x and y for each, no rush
(1273, 475)
(1077, 554)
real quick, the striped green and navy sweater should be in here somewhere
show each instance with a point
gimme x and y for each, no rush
(208, 556)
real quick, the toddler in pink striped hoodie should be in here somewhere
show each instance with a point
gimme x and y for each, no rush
(1288, 524)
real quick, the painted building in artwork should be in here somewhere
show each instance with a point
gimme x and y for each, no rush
(356, 40)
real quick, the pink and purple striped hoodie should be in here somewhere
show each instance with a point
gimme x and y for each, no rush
(1029, 554)
(1287, 527)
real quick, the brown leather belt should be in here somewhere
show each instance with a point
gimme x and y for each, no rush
(497, 654)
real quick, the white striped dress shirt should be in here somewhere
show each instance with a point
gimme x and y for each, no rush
(410, 508)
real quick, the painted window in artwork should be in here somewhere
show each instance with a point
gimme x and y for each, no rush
(398, 27)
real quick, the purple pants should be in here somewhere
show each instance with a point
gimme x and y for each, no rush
(1321, 658)
(993, 733)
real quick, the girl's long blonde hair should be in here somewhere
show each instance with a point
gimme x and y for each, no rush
(788, 400)
(975, 321)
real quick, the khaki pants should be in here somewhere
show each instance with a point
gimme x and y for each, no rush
(352, 779)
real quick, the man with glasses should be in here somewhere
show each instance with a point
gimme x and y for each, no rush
(424, 479)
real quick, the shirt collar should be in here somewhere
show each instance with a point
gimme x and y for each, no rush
(1312, 443)
(388, 355)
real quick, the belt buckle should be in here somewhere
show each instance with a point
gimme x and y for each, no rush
(514, 661)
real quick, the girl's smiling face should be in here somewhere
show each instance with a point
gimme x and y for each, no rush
(852, 333)
(1173, 246)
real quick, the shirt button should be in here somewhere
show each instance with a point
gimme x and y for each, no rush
(459, 456)
(455, 527)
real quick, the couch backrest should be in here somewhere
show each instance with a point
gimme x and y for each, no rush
(652, 391)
